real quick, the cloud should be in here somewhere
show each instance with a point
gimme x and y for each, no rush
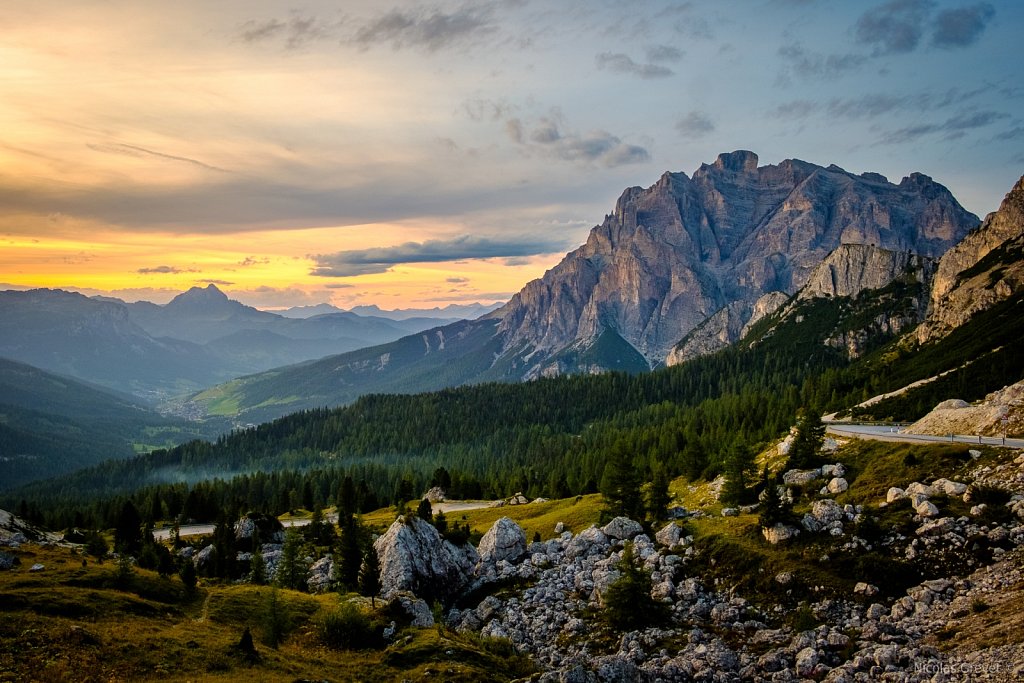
(811, 65)
(895, 27)
(963, 26)
(381, 259)
(225, 283)
(954, 127)
(338, 285)
(621, 63)
(482, 109)
(664, 53)
(696, 124)
(475, 297)
(457, 280)
(265, 296)
(794, 109)
(1011, 134)
(431, 30)
(873, 105)
(298, 30)
(170, 270)
(595, 147)
(139, 152)
(253, 261)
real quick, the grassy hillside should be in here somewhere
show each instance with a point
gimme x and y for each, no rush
(75, 621)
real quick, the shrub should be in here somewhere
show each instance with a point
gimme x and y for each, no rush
(628, 602)
(348, 628)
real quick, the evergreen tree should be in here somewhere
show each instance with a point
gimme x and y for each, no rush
(441, 523)
(347, 502)
(128, 532)
(292, 570)
(658, 496)
(739, 463)
(275, 619)
(810, 433)
(774, 510)
(223, 548)
(351, 556)
(424, 511)
(187, 574)
(628, 602)
(369, 576)
(620, 485)
(257, 569)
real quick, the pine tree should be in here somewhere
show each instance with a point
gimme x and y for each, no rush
(346, 501)
(351, 556)
(369, 576)
(128, 532)
(658, 496)
(424, 510)
(292, 570)
(620, 484)
(739, 463)
(628, 602)
(187, 574)
(810, 433)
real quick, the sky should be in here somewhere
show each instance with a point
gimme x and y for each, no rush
(411, 154)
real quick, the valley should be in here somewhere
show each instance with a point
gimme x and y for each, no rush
(605, 504)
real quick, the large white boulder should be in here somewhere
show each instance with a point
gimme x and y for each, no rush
(414, 558)
(622, 528)
(505, 540)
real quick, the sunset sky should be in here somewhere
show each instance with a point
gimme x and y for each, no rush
(415, 154)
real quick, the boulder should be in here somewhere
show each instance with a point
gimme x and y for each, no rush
(895, 493)
(926, 509)
(837, 485)
(204, 556)
(950, 488)
(806, 660)
(434, 494)
(800, 477)
(677, 512)
(7, 561)
(730, 512)
(865, 589)
(670, 535)
(919, 488)
(622, 528)
(414, 558)
(417, 610)
(319, 578)
(836, 470)
(559, 527)
(505, 540)
(827, 511)
(779, 533)
(591, 541)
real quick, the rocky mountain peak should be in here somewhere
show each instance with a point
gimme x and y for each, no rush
(673, 254)
(200, 296)
(852, 268)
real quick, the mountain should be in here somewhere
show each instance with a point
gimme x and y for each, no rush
(50, 425)
(97, 341)
(451, 312)
(666, 260)
(307, 311)
(985, 268)
(198, 339)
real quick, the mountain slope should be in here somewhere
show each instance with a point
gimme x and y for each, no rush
(50, 425)
(985, 268)
(665, 260)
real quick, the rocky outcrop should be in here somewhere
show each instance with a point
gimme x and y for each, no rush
(717, 332)
(1001, 412)
(982, 270)
(414, 558)
(505, 540)
(672, 255)
(854, 268)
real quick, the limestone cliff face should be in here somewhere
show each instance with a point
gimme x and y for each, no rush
(674, 254)
(979, 272)
(854, 268)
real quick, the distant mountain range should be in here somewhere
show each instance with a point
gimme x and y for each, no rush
(198, 339)
(732, 242)
(449, 313)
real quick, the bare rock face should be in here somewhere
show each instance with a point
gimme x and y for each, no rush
(414, 558)
(672, 255)
(505, 540)
(854, 268)
(985, 268)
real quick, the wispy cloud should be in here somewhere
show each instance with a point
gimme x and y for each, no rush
(664, 53)
(695, 124)
(962, 27)
(429, 29)
(800, 62)
(296, 31)
(618, 62)
(595, 147)
(894, 27)
(138, 152)
(163, 269)
(381, 259)
(954, 127)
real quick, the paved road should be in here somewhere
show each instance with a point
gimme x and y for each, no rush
(881, 433)
(207, 529)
